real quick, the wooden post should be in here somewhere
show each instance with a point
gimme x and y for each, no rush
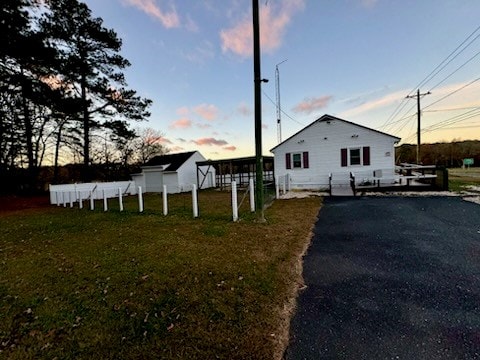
(105, 201)
(252, 195)
(165, 200)
(277, 189)
(140, 199)
(120, 199)
(80, 200)
(194, 201)
(234, 201)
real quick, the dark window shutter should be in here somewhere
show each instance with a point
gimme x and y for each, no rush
(366, 155)
(344, 157)
(288, 161)
(305, 160)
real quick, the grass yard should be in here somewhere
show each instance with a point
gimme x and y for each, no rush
(81, 284)
(460, 179)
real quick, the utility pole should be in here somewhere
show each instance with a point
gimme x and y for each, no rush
(418, 95)
(258, 113)
(279, 108)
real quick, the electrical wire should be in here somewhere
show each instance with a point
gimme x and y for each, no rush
(434, 72)
(283, 112)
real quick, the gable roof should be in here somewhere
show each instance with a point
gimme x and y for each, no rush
(326, 118)
(175, 160)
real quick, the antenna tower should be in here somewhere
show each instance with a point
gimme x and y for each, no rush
(279, 108)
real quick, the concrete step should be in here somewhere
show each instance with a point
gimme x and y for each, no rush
(344, 190)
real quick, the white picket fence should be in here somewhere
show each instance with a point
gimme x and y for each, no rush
(68, 193)
(78, 193)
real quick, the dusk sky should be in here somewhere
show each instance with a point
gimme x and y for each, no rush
(354, 59)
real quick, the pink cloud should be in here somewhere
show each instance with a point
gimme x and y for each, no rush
(207, 111)
(183, 111)
(309, 105)
(176, 149)
(210, 142)
(230, 148)
(274, 20)
(157, 140)
(182, 123)
(244, 109)
(169, 19)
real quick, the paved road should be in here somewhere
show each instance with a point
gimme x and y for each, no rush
(391, 278)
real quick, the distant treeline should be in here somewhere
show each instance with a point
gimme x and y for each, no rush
(17, 181)
(440, 154)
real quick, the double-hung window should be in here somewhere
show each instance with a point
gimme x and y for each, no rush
(297, 160)
(355, 156)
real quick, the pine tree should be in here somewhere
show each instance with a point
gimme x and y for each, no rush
(93, 69)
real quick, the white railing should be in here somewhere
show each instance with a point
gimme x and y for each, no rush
(68, 193)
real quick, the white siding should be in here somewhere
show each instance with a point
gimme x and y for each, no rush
(187, 173)
(323, 140)
(153, 180)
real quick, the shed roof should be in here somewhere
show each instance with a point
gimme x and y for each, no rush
(173, 160)
(327, 117)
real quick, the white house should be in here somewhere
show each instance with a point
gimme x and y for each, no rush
(177, 171)
(334, 146)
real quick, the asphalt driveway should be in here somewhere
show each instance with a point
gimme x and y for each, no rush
(391, 278)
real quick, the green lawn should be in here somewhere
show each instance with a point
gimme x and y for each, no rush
(81, 284)
(460, 179)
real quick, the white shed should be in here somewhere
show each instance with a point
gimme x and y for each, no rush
(334, 146)
(177, 171)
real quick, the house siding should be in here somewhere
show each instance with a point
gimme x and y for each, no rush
(323, 140)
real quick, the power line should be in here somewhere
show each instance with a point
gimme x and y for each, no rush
(451, 93)
(283, 112)
(433, 73)
(456, 70)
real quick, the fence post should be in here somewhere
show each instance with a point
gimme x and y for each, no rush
(57, 198)
(120, 199)
(140, 199)
(64, 198)
(80, 200)
(105, 202)
(92, 201)
(277, 189)
(165, 200)
(234, 201)
(195, 201)
(284, 185)
(70, 197)
(252, 195)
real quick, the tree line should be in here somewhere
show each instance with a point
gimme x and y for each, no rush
(63, 93)
(441, 154)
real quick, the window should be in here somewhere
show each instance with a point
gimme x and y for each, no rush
(297, 160)
(355, 157)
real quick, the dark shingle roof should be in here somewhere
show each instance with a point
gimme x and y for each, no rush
(175, 160)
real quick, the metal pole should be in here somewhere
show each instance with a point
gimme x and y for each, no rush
(258, 112)
(279, 107)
